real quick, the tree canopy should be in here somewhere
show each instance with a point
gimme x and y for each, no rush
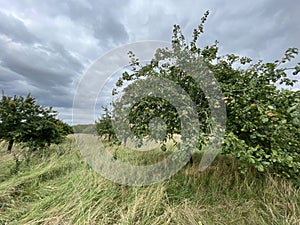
(262, 125)
(22, 120)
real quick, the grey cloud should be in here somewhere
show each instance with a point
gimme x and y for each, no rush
(103, 17)
(15, 29)
(258, 28)
(107, 28)
(57, 96)
(7, 75)
(40, 68)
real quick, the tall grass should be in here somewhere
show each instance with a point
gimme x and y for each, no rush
(58, 187)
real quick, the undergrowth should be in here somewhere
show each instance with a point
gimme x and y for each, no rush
(58, 187)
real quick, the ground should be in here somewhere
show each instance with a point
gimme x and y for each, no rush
(58, 187)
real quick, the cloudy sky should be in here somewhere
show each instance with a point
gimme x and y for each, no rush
(47, 46)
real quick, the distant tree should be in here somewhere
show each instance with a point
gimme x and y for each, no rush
(104, 125)
(84, 128)
(22, 120)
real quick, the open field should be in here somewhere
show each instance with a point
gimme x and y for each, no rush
(58, 187)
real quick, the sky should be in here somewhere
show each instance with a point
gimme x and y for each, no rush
(47, 46)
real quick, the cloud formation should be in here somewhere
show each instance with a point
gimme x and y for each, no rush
(46, 46)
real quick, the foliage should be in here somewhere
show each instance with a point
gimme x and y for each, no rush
(84, 128)
(104, 126)
(24, 121)
(262, 121)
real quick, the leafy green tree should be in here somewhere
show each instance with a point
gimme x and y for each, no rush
(262, 120)
(24, 121)
(104, 125)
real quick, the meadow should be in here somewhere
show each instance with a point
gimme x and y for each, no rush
(57, 186)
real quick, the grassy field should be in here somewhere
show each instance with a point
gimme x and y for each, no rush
(58, 187)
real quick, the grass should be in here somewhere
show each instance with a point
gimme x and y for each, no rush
(58, 187)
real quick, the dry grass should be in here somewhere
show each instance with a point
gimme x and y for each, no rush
(60, 188)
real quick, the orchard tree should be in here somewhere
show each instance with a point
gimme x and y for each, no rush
(104, 126)
(22, 120)
(262, 128)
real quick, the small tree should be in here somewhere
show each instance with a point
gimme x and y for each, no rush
(104, 125)
(24, 121)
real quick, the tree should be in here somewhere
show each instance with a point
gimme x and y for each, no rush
(104, 125)
(24, 121)
(262, 120)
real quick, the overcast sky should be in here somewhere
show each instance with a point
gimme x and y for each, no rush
(46, 46)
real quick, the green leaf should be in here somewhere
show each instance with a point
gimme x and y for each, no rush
(265, 119)
(296, 121)
(260, 168)
(251, 160)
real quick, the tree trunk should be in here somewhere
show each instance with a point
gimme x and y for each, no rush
(10, 145)
(125, 140)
